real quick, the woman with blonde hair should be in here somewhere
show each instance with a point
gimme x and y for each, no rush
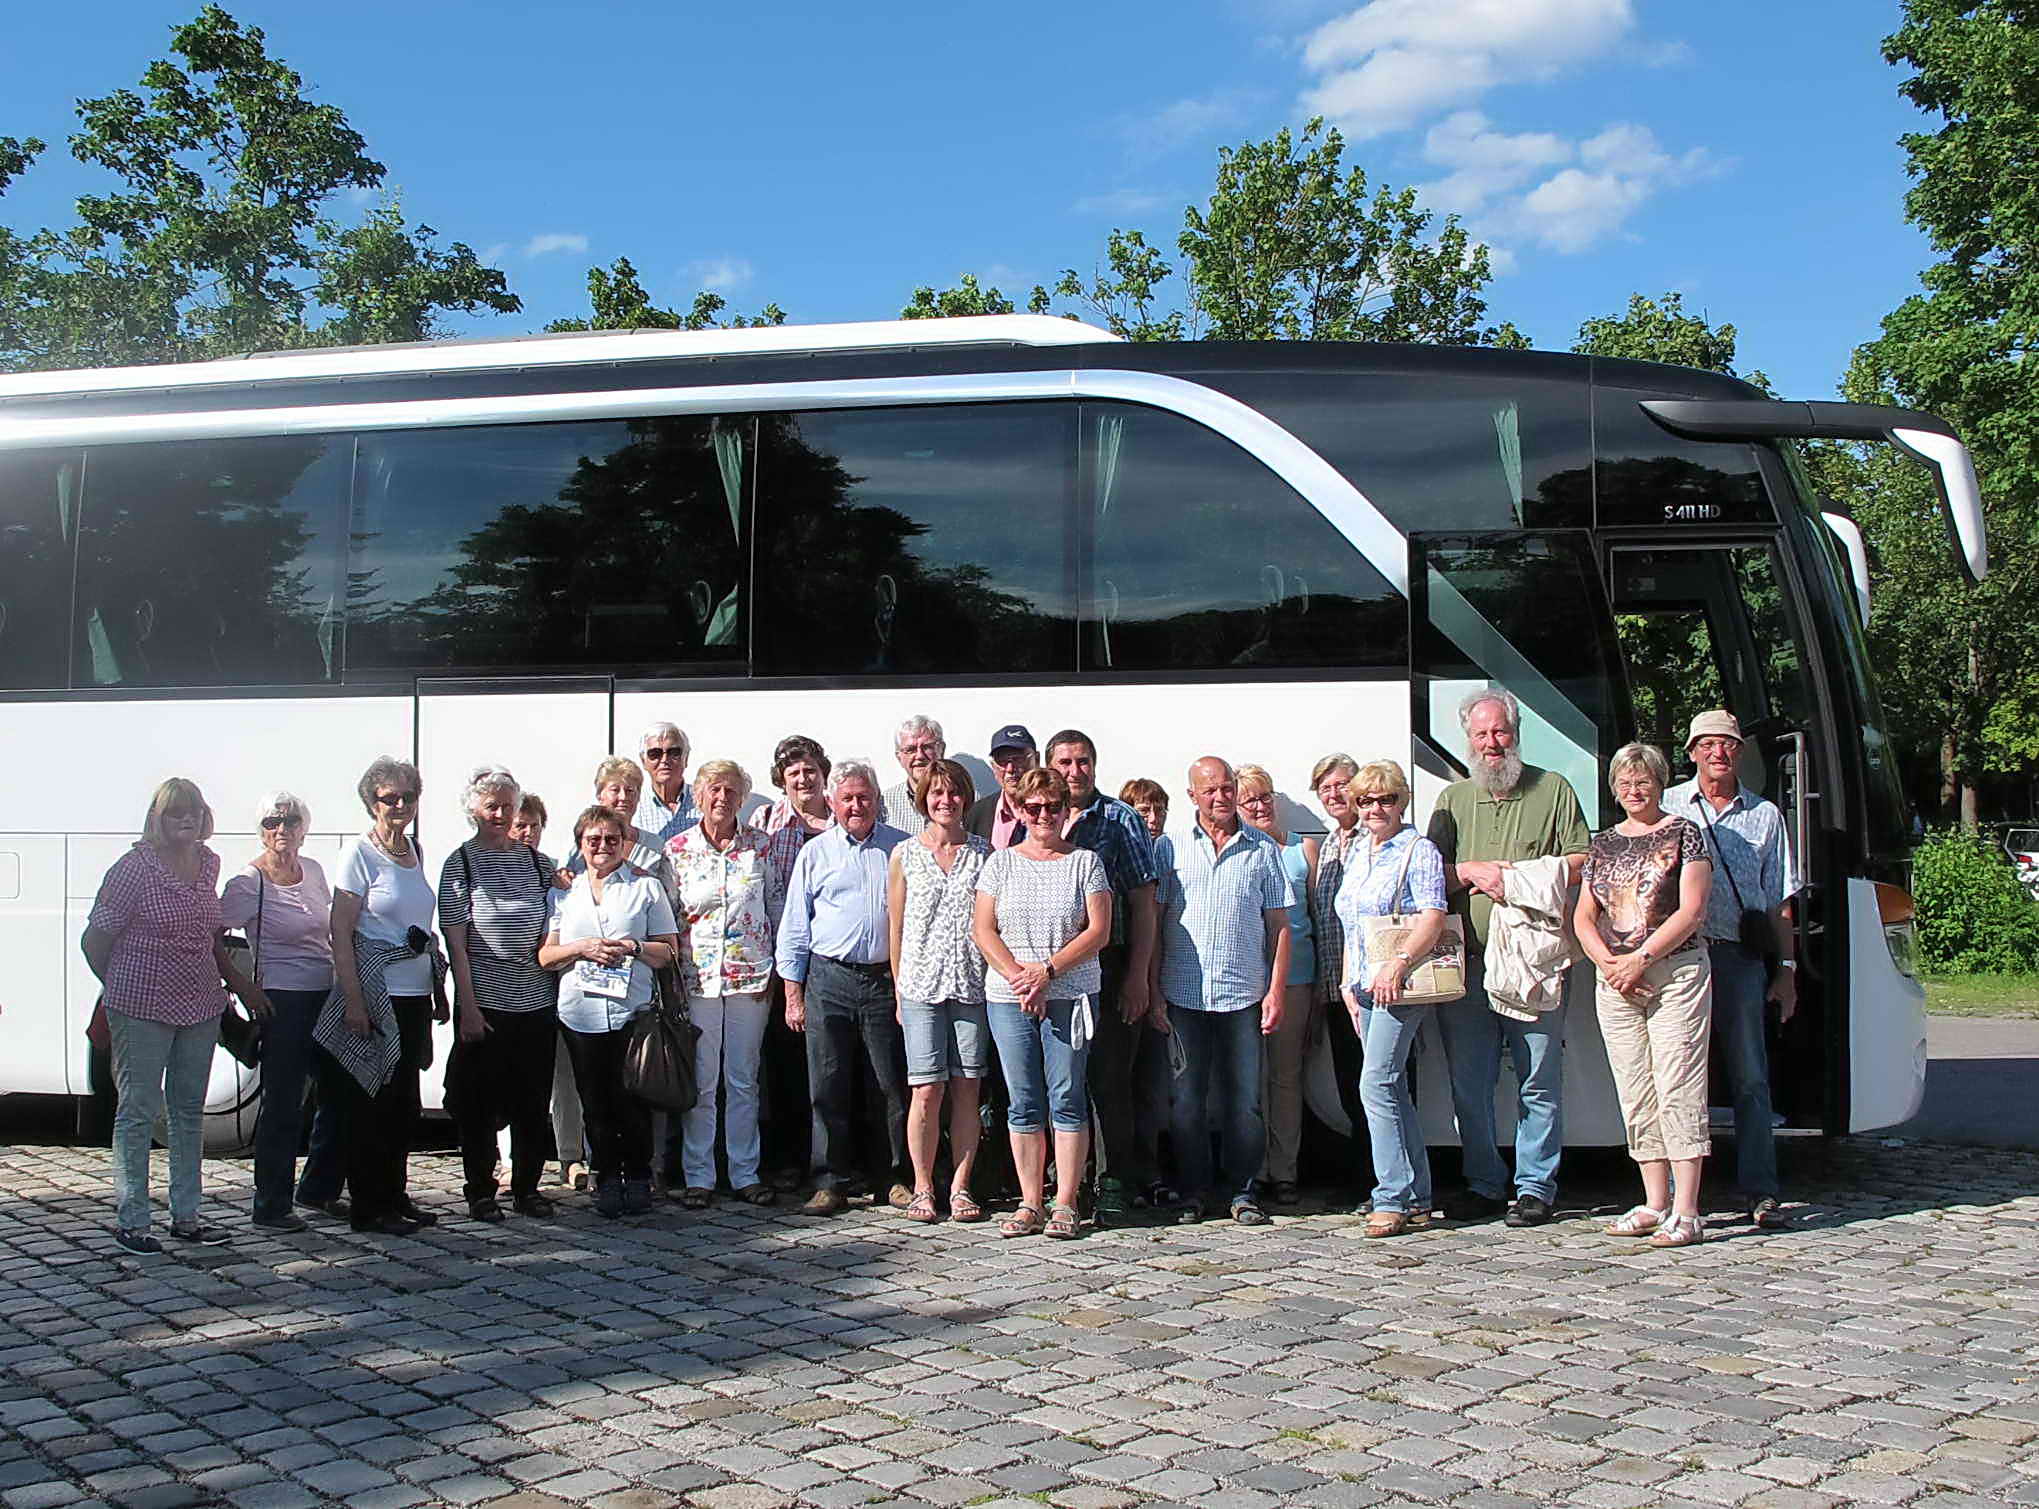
(1282, 1079)
(156, 940)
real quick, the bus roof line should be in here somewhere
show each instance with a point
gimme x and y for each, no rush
(560, 349)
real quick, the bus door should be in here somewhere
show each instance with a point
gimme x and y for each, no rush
(1713, 624)
(1529, 612)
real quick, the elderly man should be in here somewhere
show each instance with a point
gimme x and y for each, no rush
(1220, 960)
(833, 949)
(996, 818)
(666, 808)
(1127, 1148)
(917, 745)
(1745, 836)
(1504, 813)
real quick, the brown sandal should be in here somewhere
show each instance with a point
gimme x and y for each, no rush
(1027, 1221)
(963, 1208)
(923, 1208)
(1386, 1223)
(1064, 1222)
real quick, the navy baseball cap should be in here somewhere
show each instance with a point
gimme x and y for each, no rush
(1012, 736)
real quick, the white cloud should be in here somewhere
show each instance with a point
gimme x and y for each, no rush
(1184, 121)
(492, 255)
(555, 241)
(1390, 64)
(1484, 163)
(1120, 202)
(720, 274)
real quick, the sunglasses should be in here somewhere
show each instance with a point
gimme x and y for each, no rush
(675, 753)
(272, 822)
(601, 840)
(395, 798)
(1383, 799)
(1040, 809)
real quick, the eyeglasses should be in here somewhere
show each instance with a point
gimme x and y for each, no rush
(1040, 809)
(1258, 799)
(928, 747)
(1716, 746)
(395, 798)
(272, 822)
(601, 840)
(1378, 799)
(675, 753)
(1010, 756)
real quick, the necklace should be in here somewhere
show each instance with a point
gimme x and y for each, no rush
(400, 851)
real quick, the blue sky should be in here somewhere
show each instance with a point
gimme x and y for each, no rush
(830, 157)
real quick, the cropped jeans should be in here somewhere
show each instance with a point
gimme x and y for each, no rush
(1047, 1078)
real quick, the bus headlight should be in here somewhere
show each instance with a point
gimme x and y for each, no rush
(1900, 928)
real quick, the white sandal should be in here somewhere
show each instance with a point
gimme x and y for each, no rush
(1639, 1222)
(1679, 1231)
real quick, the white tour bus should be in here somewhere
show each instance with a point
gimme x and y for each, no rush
(263, 573)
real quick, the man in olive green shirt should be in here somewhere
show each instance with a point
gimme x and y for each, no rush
(1505, 812)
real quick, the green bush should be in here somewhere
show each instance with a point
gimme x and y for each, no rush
(1974, 917)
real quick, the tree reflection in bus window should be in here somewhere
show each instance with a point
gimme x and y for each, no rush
(211, 563)
(38, 527)
(609, 546)
(1204, 559)
(916, 541)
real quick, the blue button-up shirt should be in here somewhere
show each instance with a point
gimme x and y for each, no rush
(835, 901)
(1118, 836)
(663, 822)
(1749, 838)
(1214, 906)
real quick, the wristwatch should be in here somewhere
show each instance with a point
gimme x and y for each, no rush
(1401, 958)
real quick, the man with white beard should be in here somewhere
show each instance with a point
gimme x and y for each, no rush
(1503, 813)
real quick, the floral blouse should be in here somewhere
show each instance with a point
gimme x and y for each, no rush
(727, 902)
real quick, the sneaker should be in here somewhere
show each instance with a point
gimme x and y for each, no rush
(201, 1233)
(289, 1220)
(486, 1209)
(1528, 1210)
(416, 1214)
(535, 1205)
(636, 1196)
(1189, 1213)
(337, 1207)
(1471, 1205)
(140, 1243)
(1768, 1213)
(1111, 1199)
(609, 1198)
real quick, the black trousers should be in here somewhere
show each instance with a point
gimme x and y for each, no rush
(618, 1123)
(1129, 1117)
(1347, 1061)
(376, 1129)
(850, 1023)
(505, 1079)
(786, 1114)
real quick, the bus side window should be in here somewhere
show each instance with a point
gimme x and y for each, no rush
(38, 530)
(1201, 558)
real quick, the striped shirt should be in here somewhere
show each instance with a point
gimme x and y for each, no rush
(836, 901)
(503, 896)
(1214, 906)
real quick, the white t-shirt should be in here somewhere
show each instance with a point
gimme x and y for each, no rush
(633, 905)
(394, 899)
(295, 935)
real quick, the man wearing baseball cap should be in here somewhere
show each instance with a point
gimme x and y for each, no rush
(1752, 963)
(995, 818)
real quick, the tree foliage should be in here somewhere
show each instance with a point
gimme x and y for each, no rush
(1295, 245)
(618, 300)
(1973, 913)
(1660, 330)
(966, 298)
(215, 236)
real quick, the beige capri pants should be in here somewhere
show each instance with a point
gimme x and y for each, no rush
(1657, 1050)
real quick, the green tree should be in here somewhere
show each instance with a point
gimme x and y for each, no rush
(215, 237)
(1654, 330)
(1959, 659)
(1294, 245)
(964, 299)
(618, 300)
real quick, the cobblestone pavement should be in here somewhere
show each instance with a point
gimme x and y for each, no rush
(1881, 1351)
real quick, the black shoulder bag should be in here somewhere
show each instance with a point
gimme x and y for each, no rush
(1753, 932)
(241, 1035)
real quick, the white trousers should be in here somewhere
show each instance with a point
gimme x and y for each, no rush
(726, 1074)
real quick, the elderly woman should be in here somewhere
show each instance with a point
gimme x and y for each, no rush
(800, 768)
(1642, 901)
(1043, 910)
(617, 784)
(494, 897)
(155, 939)
(667, 808)
(1283, 1074)
(727, 902)
(569, 1137)
(376, 1027)
(1331, 781)
(284, 907)
(1150, 800)
(938, 981)
(1394, 871)
(606, 935)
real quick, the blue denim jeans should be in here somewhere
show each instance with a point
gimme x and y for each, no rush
(1739, 989)
(158, 1068)
(1223, 1050)
(286, 1066)
(1401, 1161)
(1473, 1033)
(1047, 1079)
(851, 1030)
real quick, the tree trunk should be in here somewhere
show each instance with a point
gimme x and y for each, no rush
(1969, 818)
(1949, 785)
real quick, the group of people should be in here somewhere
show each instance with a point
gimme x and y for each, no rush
(878, 963)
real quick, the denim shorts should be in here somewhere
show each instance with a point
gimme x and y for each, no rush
(945, 1040)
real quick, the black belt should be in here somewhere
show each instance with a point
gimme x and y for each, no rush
(881, 970)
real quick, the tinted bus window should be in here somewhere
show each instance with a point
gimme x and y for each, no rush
(1648, 476)
(1439, 452)
(916, 541)
(610, 546)
(1202, 558)
(38, 522)
(211, 563)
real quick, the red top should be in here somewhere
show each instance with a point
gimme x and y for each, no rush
(162, 967)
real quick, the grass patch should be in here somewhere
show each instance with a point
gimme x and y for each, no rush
(1983, 996)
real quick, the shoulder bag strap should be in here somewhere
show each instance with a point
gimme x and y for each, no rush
(255, 949)
(1706, 820)
(1402, 879)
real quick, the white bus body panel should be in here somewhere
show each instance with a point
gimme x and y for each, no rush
(1886, 1023)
